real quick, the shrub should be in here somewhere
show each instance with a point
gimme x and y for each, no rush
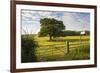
(28, 46)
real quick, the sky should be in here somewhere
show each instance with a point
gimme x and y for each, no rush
(30, 20)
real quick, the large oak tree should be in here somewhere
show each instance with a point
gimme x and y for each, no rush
(51, 27)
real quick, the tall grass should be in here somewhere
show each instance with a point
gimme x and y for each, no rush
(81, 53)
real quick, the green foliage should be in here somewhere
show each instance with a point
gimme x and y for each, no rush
(28, 46)
(51, 27)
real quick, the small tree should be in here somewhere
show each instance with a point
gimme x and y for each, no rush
(51, 27)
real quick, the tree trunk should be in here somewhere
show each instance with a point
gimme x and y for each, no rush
(50, 37)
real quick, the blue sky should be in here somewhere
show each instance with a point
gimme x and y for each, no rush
(78, 21)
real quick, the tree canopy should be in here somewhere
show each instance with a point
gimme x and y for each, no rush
(51, 27)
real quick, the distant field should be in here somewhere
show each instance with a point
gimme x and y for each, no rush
(61, 40)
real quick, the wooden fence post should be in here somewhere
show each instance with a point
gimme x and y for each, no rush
(67, 45)
(80, 39)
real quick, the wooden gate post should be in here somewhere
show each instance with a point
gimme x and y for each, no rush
(67, 45)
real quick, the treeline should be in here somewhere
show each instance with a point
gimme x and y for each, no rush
(68, 33)
(73, 33)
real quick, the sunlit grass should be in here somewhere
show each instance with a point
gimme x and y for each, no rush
(56, 50)
(60, 53)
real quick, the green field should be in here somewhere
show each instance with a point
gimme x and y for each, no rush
(57, 50)
(60, 40)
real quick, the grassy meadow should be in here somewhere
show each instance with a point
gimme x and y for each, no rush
(56, 50)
